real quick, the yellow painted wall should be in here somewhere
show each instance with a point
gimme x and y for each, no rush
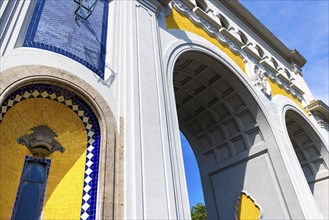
(277, 90)
(65, 183)
(178, 21)
(247, 210)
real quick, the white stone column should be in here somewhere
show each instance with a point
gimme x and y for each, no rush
(136, 59)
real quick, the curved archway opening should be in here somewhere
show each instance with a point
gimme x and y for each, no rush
(228, 134)
(312, 156)
(193, 179)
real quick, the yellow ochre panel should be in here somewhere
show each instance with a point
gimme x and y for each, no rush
(63, 197)
(277, 90)
(177, 21)
(247, 209)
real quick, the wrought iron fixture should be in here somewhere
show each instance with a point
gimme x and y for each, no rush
(84, 8)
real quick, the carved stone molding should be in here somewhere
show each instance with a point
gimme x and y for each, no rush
(41, 142)
(209, 28)
(297, 70)
(190, 10)
(259, 79)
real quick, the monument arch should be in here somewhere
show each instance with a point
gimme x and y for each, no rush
(202, 119)
(139, 71)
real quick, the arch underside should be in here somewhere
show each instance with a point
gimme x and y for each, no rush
(313, 158)
(213, 113)
(222, 121)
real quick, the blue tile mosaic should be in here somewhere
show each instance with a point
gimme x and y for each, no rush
(90, 121)
(55, 27)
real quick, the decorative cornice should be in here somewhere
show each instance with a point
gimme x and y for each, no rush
(260, 81)
(256, 26)
(321, 107)
(202, 22)
(200, 19)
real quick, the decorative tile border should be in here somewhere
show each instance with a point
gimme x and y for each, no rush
(19, 190)
(87, 116)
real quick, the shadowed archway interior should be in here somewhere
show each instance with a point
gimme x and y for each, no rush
(312, 156)
(219, 118)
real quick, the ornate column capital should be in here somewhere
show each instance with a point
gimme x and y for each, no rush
(41, 142)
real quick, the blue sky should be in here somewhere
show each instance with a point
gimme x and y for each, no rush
(301, 25)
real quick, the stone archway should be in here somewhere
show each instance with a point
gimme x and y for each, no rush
(312, 156)
(230, 137)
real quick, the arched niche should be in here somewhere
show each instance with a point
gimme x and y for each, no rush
(312, 156)
(109, 196)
